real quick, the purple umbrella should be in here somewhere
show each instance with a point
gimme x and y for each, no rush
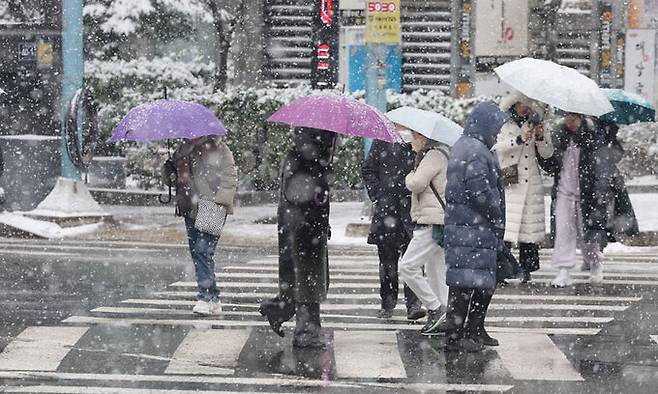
(340, 114)
(167, 119)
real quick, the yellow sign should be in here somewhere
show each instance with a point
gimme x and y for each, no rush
(383, 22)
(44, 53)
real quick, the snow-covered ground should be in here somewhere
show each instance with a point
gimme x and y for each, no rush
(258, 222)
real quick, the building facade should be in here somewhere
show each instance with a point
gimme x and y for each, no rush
(453, 45)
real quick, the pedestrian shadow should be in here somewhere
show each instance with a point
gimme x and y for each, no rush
(426, 360)
(268, 353)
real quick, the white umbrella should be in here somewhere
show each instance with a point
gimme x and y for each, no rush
(430, 124)
(556, 85)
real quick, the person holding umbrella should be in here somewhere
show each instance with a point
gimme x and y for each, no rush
(629, 108)
(203, 172)
(303, 222)
(580, 166)
(431, 134)
(521, 140)
(303, 214)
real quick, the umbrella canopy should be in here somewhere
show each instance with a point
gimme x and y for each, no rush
(556, 85)
(629, 108)
(430, 124)
(340, 114)
(167, 119)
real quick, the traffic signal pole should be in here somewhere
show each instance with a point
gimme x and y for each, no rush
(73, 67)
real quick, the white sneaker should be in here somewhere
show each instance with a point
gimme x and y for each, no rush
(215, 307)
(596, 274)
(563, 279)
(202, 308)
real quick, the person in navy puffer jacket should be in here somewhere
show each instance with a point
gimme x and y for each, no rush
(474, 228)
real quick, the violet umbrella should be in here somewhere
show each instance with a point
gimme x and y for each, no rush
(167, 119)
(340, 114)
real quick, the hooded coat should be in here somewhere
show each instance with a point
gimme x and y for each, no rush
(303, 217)
(524, 201)
(475, 198)
(622, 218)
(594, 171)
(383, 175)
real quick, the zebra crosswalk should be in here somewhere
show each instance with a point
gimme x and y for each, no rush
(157, 343)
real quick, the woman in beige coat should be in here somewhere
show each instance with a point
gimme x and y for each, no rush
(202, 169)
(427, 209)
(521, 139)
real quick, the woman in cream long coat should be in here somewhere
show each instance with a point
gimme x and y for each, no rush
(521, 139)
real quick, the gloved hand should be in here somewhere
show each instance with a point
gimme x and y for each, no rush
(169, 170)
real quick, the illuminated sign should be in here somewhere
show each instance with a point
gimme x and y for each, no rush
(324, 62)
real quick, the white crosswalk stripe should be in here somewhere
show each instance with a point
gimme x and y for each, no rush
(208, 352)
(368, 355)
(365, 348)
(548, 362)
(39, 348)
(298, 383)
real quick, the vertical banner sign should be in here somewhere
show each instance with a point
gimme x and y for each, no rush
(605, 45)
(620, 54)
(464, 86)
(324, 60)
(640, 62)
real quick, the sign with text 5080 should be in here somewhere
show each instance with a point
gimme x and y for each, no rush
(383, 22)
(382, 6)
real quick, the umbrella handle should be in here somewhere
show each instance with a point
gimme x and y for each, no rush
(168, 200)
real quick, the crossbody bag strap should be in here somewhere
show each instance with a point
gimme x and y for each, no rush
(436, 193)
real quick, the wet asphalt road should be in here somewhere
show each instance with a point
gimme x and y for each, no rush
(124, 310)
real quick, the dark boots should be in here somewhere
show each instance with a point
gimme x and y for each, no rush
(308, 329)
(476, 315)
(467, 309)
(277, 311)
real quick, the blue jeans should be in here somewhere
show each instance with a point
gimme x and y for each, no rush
(202, 249)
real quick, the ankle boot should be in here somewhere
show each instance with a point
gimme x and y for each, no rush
(475, 325)
(307, 329)
(482, 336)
(277, 311)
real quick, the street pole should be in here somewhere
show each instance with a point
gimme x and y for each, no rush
(383, 40)
(73, 66)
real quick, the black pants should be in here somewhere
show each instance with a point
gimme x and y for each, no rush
(528, 256)
(390, 252)
(467, 309)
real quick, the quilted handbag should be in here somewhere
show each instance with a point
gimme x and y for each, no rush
(210, 217)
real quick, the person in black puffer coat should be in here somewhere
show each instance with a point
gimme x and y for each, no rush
(383, 172)
(303, 223)
(622, 219)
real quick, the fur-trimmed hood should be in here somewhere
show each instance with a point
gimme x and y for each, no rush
(517, 97)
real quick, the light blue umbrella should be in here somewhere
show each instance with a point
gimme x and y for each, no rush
(430, 124)
(629, 108)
